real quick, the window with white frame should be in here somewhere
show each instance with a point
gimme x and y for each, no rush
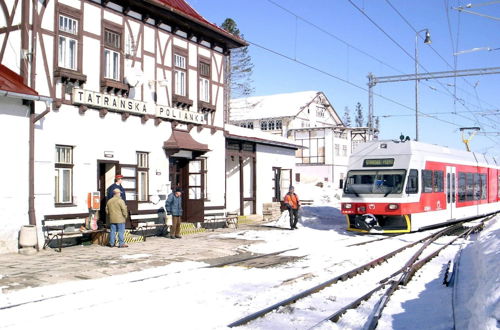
(142, 176)
(320, 112)
(112, 49)
(247, 124)
(344, 150)
(68, 43)
(337, 150)
(270, 125)
(180, 75)
(279, 124)
(204, 71)
(314, 143)
(63, 192)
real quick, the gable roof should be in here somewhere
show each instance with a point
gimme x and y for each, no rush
(183, 9)
(271, 106)
(13, 83)
(260, 137)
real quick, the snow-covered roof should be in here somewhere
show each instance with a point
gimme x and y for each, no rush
(246, 134)
(271, 106)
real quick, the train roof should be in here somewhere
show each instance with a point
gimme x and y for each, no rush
(383, 148)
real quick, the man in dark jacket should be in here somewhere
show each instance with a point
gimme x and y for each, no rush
(117, 184)
(173, 205)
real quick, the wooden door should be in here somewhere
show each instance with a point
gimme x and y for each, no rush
(189, 176)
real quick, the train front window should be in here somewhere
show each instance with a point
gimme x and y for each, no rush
(375, 182)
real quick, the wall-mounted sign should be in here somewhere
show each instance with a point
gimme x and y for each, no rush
(118, 103)
(180, 115)
(123, 104)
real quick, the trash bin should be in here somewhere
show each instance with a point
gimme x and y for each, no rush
(27, 236)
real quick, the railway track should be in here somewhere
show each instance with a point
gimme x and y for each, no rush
(390, 283)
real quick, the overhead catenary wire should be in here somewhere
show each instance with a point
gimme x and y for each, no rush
(403, 49)
(347, 82)
(454, 46)
(453, 95)
(365, 53)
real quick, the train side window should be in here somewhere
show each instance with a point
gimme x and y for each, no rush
(412, 185)
(469, 186)
(461, 187)
(484, 186)
(438, 184)
(427, 181)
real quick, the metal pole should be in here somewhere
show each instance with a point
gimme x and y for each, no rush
(416, 86)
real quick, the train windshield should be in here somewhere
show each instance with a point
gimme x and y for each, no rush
(375, 182)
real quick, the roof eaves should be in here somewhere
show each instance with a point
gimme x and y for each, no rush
(200, 20)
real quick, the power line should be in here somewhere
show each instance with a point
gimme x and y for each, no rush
(346, 81)
(357, 49)
(397, 44)
(434, 50)
(352, 46)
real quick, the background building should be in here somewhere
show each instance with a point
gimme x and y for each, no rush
(310, 120)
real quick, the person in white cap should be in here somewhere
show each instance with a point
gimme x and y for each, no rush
(117, 214)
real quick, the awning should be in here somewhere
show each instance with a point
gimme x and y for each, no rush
(12, 82)
(181, 141)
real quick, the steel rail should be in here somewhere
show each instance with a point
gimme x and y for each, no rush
(374, 240)
(321, 286)
(408, 274)
(249, 258)
(388, 280)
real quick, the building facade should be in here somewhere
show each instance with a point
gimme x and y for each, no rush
(138, 90)
(309, 119)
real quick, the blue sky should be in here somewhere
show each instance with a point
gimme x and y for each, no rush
(339, 38)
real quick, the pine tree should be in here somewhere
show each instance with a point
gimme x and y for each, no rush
(359, 115)
(347, 117)
(240, 66)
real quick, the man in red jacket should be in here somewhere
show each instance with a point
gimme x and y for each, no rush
(292, 203)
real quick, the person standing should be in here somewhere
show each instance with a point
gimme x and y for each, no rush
(117, 214)
(292, 203)
(117, 184)
(173, 205)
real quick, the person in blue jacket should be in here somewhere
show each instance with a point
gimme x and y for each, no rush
(173, 205)
(117, 184)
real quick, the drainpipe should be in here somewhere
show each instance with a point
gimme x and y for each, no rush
(33, 119)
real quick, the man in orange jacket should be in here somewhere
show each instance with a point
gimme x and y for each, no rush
(292, 203)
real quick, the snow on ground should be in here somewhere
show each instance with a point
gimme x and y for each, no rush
(188, 295)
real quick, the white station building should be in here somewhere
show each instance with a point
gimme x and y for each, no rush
(128, 87)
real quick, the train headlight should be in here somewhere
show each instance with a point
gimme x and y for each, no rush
(393, 206)
(362, 209)
(347, 206)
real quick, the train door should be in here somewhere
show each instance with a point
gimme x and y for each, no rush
(451, 191)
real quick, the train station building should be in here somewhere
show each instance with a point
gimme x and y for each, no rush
(135, 88)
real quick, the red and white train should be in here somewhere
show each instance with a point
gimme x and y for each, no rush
(403, 186)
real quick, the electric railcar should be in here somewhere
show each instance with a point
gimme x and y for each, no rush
(403, 186)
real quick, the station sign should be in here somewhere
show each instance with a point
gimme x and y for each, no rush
(124, 104)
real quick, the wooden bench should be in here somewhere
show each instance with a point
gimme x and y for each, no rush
(144, 222)
(306, 202)
(58, 229)
(228, 219)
